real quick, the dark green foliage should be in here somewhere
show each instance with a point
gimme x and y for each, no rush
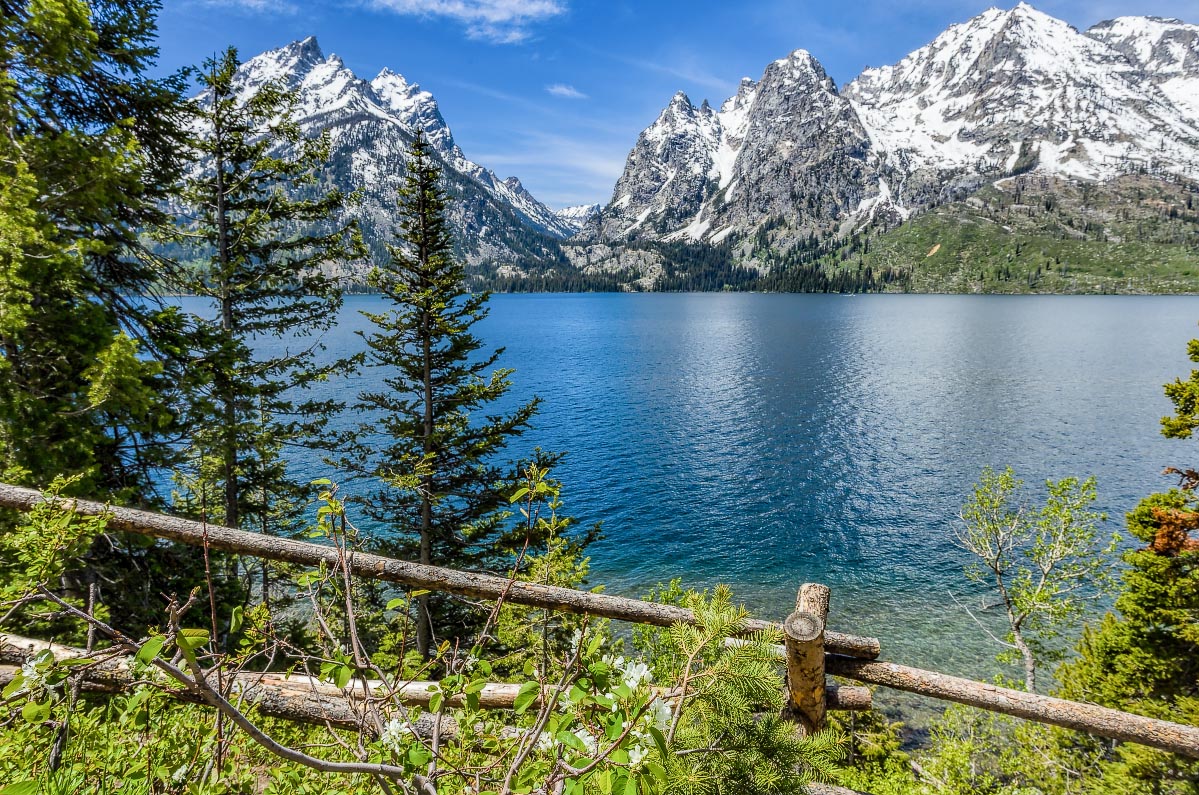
(443, 497)
(92, 146)
(260, 223)
(1145, 658)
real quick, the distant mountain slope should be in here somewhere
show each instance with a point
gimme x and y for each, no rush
(496, 222)
(578, 216)
(791, 168)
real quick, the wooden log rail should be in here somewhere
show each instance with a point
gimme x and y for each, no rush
(1102, 721)
(847, 655)
(307, 699)
(414, 575)
(1165, 735)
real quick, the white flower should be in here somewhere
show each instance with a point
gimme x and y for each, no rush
(661, 714)
(33, 679)
(545, 741)
(636, 754)
(393, 735)
(588, 741)
(180, 775)
(635, 674)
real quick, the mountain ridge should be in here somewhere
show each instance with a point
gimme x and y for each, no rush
(370, 125)
(791, 168)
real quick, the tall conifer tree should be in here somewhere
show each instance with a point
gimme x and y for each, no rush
(444, 499)
(266, 232)
(90, 148)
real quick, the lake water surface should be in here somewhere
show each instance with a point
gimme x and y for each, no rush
(768, 440)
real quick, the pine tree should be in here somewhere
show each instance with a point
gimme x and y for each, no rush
(442, 502)
(1145, 657)
(266, 233)
(91, 152)
(91, 147)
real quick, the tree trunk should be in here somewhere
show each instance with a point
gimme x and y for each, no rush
(424, 627)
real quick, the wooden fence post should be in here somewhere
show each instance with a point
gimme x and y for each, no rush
(804, 634)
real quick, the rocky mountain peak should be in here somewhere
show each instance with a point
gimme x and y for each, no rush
(416, 109)
(799, 66)
(1007, 91)
(370, 126)
(290, 63)
(743, 97)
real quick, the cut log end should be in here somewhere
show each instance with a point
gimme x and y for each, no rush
(803, 627)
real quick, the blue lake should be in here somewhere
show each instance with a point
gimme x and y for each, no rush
(768, 440)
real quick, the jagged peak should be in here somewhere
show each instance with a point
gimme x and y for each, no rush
(799, 66)
(387, 75)
(681, 99)
(290, 62)
(1024, 13)
(799, 56)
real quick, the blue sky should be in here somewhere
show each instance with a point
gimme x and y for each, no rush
(555, 92)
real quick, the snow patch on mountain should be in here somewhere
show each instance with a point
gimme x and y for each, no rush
(331, 99)
(971, 98)
(1166, 50)
(578, 216)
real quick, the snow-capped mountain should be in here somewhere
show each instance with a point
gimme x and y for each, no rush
(1008, 91)
(1020, 81)
(787, 144)
(1166, 50)
(578, 216)
(370, 127)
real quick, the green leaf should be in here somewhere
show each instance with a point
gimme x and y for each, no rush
(659, 740)
(516, 495)
(150, 649)
(13, 687)
(20, 788)
(527, 694)
(418, 754)
(342, 675)
(189, 640)
(397, 603)
(235, 620)
(435, 701)
(34, 712)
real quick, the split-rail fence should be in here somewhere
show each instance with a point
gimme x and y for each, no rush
(811, 650)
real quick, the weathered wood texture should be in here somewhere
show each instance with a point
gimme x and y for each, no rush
(297, 698)
(306, 699)
(415, 575)
(1089, 718)
(803, 634)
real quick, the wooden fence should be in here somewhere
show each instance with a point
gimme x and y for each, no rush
(810, 650)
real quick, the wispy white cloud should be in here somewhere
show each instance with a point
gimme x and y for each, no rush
(683, 66)
(499, 21)
(253, 6)
(565, 91)
(560, 170)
